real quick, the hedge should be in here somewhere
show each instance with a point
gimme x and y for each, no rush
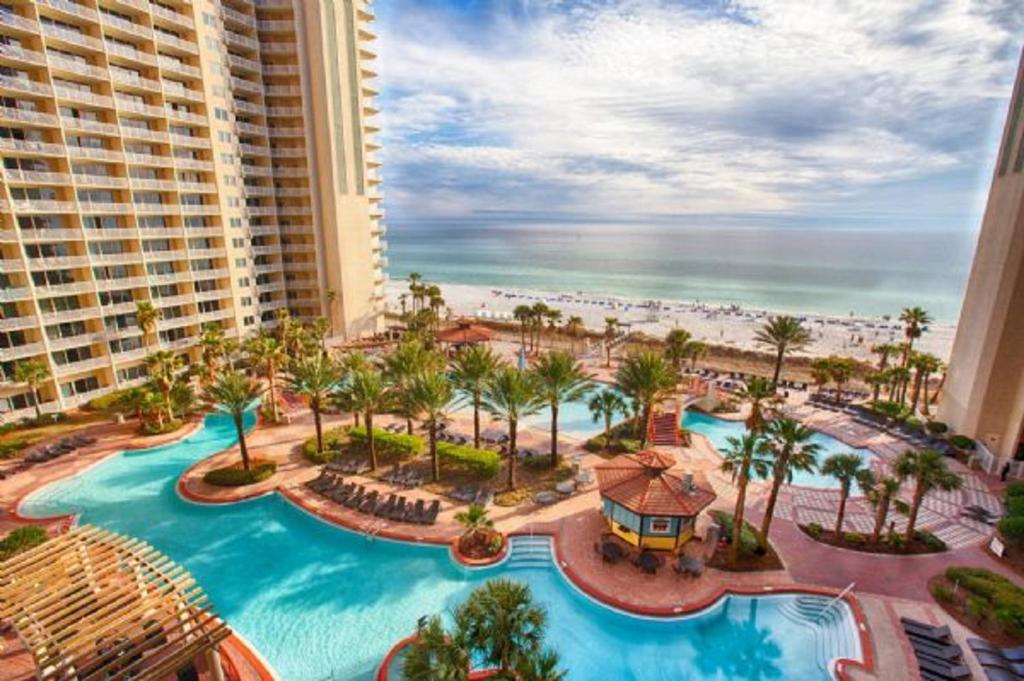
(12, 447)
(388, 444)
(105, 403)
(1000, 597)
(963, 442)
(749, 544)
(235, 476)
(1015, 489)
(930, 540)
(333, 439)
(1012, 529)
(937, 427)
(482, 462)
(21, 539)
(154, 428)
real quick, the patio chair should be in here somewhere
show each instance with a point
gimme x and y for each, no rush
(429, 516)
(996, 660)
(413, 512)
(385, 507)
(945, 670)
(949, 653)
(341, 494)
(940, 634)
(1012, 654)
(648, 562)
(356, 497)
(483, 497)
(991, 673)
(398, 511)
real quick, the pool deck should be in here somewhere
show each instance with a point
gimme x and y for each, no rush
(887, 586)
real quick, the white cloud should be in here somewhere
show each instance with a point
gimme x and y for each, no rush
(645, 108)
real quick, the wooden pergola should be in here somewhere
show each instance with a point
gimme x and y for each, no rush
(92, 605)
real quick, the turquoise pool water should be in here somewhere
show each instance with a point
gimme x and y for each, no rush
(718, 430)
(323, 603)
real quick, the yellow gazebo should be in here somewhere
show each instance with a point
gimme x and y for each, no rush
(646, 505)
(93, 605)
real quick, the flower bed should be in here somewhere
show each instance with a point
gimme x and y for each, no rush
(892, 544)
(983, 601)
(236, 476)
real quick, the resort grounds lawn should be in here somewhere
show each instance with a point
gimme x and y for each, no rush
(923, 542)
(14, 440)
(236, 476)
(986, 603)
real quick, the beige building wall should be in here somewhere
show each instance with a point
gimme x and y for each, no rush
(213, 157)
(984, 391)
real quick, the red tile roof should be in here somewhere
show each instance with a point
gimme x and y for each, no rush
(640, 483)
(466, 333)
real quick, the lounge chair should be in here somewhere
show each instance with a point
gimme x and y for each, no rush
(398, 511)
(996, 674)
(356, 497)
(413, 512)
(949, 653)
(1012, 654)
(945, 670)
(369, 502)
(341, 494)
(429, 516)
(987, 659)
(926, 631)
(385, 507)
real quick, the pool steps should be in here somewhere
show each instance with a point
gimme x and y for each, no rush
(529, 552)
(827, 624)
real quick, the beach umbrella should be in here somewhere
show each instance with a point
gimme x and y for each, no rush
(521, 360)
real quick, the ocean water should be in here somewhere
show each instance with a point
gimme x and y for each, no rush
(825, 271)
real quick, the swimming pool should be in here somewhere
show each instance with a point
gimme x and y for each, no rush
(718, 430)
(322, 603)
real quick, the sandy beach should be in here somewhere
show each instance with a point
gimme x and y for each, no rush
(718, 324)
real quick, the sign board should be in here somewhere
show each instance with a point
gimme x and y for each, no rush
(997, 546)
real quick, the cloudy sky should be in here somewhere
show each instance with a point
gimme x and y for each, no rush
(791, 112)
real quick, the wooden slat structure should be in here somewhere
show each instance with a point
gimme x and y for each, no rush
(92, 605)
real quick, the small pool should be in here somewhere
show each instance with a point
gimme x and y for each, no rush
(718, 430)
(322, 603)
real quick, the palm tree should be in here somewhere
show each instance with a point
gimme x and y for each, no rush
(502, 623)
(146, 316)
(928, 470)
(783, 334)
(133, 400)
(433, 396)
(415, 290)
(841, 370)
(821, 372)
(32, 372)
(267, 356)
(471, 369)
(677, 347)
(611, 329)
(315, 377)
(365, 392)
(574, 329)
(696, 350)
(757, 391)
(604, 406)
(924, 364)
(213, 347)
(163, 367)
(474, 520)
(646, 378)
(899, 377)
(522, 314)
(880, 492)
(789, 443)
(410, 358)
(884, 351)
(234, 393)
(559, 378)
(744, 456)
(845, 468)
(542, 666)
(552, 317)
(915, 320)
(509, 396)
(433, 655)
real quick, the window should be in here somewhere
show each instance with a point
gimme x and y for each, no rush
(240, 262)
(660, 525)
(221, 114)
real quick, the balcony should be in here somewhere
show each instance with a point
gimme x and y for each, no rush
(70, 9)
(8, 295)
(250, 107)
(84, 124)
(176, 67)
(287, 26)
(276, 131)
(281, 69)
(148, 159)
(131, 356)
(216, 273)
(78, 367)
(284, 111)
(190, 141)
(172, 17)
(290, 171)
(71, 341)
(161, 233)
(8, 113)
(175, 42)
(258, 211)
(216, 294)
(131, 54)
(200, 209)
(132, 80)
(114, 233)
(198, 187)
(96, 154)
(188, 117)
(265, 190)
(105, 208)
(58, 262)
(289, 152)
(178, 322)
(172, 255)
(254, 149)
(156, 208)
(238, 40)
(294, 210)
(170, 278)
(236, 18)
(78, 315)
(176, 91)
(21, 56)
(51, 234)
(139, 108)
(215, 315)
(24, 86)
(117, 25)
(250, 129)
(35, 177)
(283, 91)
(83, 97)
(193, 164)
(243, 85)
(20, 24)
(64, 289)
(168, 301)
(123, 283)
(127, 258)
(252, 170)
(279, 48)
(70, 37)
(21, 352)
(18, 323)
(156, 185)
(200, 253)
(181, 343)
(36, 207)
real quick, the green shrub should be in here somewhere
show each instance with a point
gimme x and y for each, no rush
(105, 403)
(941, 593)
(937, 427)
(154, 428)
(1014, 506)
(895, 540)
(815, 530)
(914, 424)
(388, 444)
(235, 476)
(855, 538)
(963, 442)
(930, 540)
(890, 410)
(480, 462)
(994, 593)
(333, 440)
(1012, 529)
(748, 537)
(12, 448)
(21, 539)
(1014, 489)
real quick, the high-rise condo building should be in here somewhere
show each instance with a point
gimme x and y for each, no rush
(214, 157)
(984, 390)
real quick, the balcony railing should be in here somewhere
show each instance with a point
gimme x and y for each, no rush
(35, 177)
(18, 53)
(171, 16)
(78, 367)
(27, 116)
(131, 53)
(21, 352)
(11, 294)
(105, 207)
(73, 37)
(95, 153)
(30, 206)
(177, 67)
(25, 85)
(83, 96)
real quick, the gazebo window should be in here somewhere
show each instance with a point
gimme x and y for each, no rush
(626, 518)
(661, 525)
